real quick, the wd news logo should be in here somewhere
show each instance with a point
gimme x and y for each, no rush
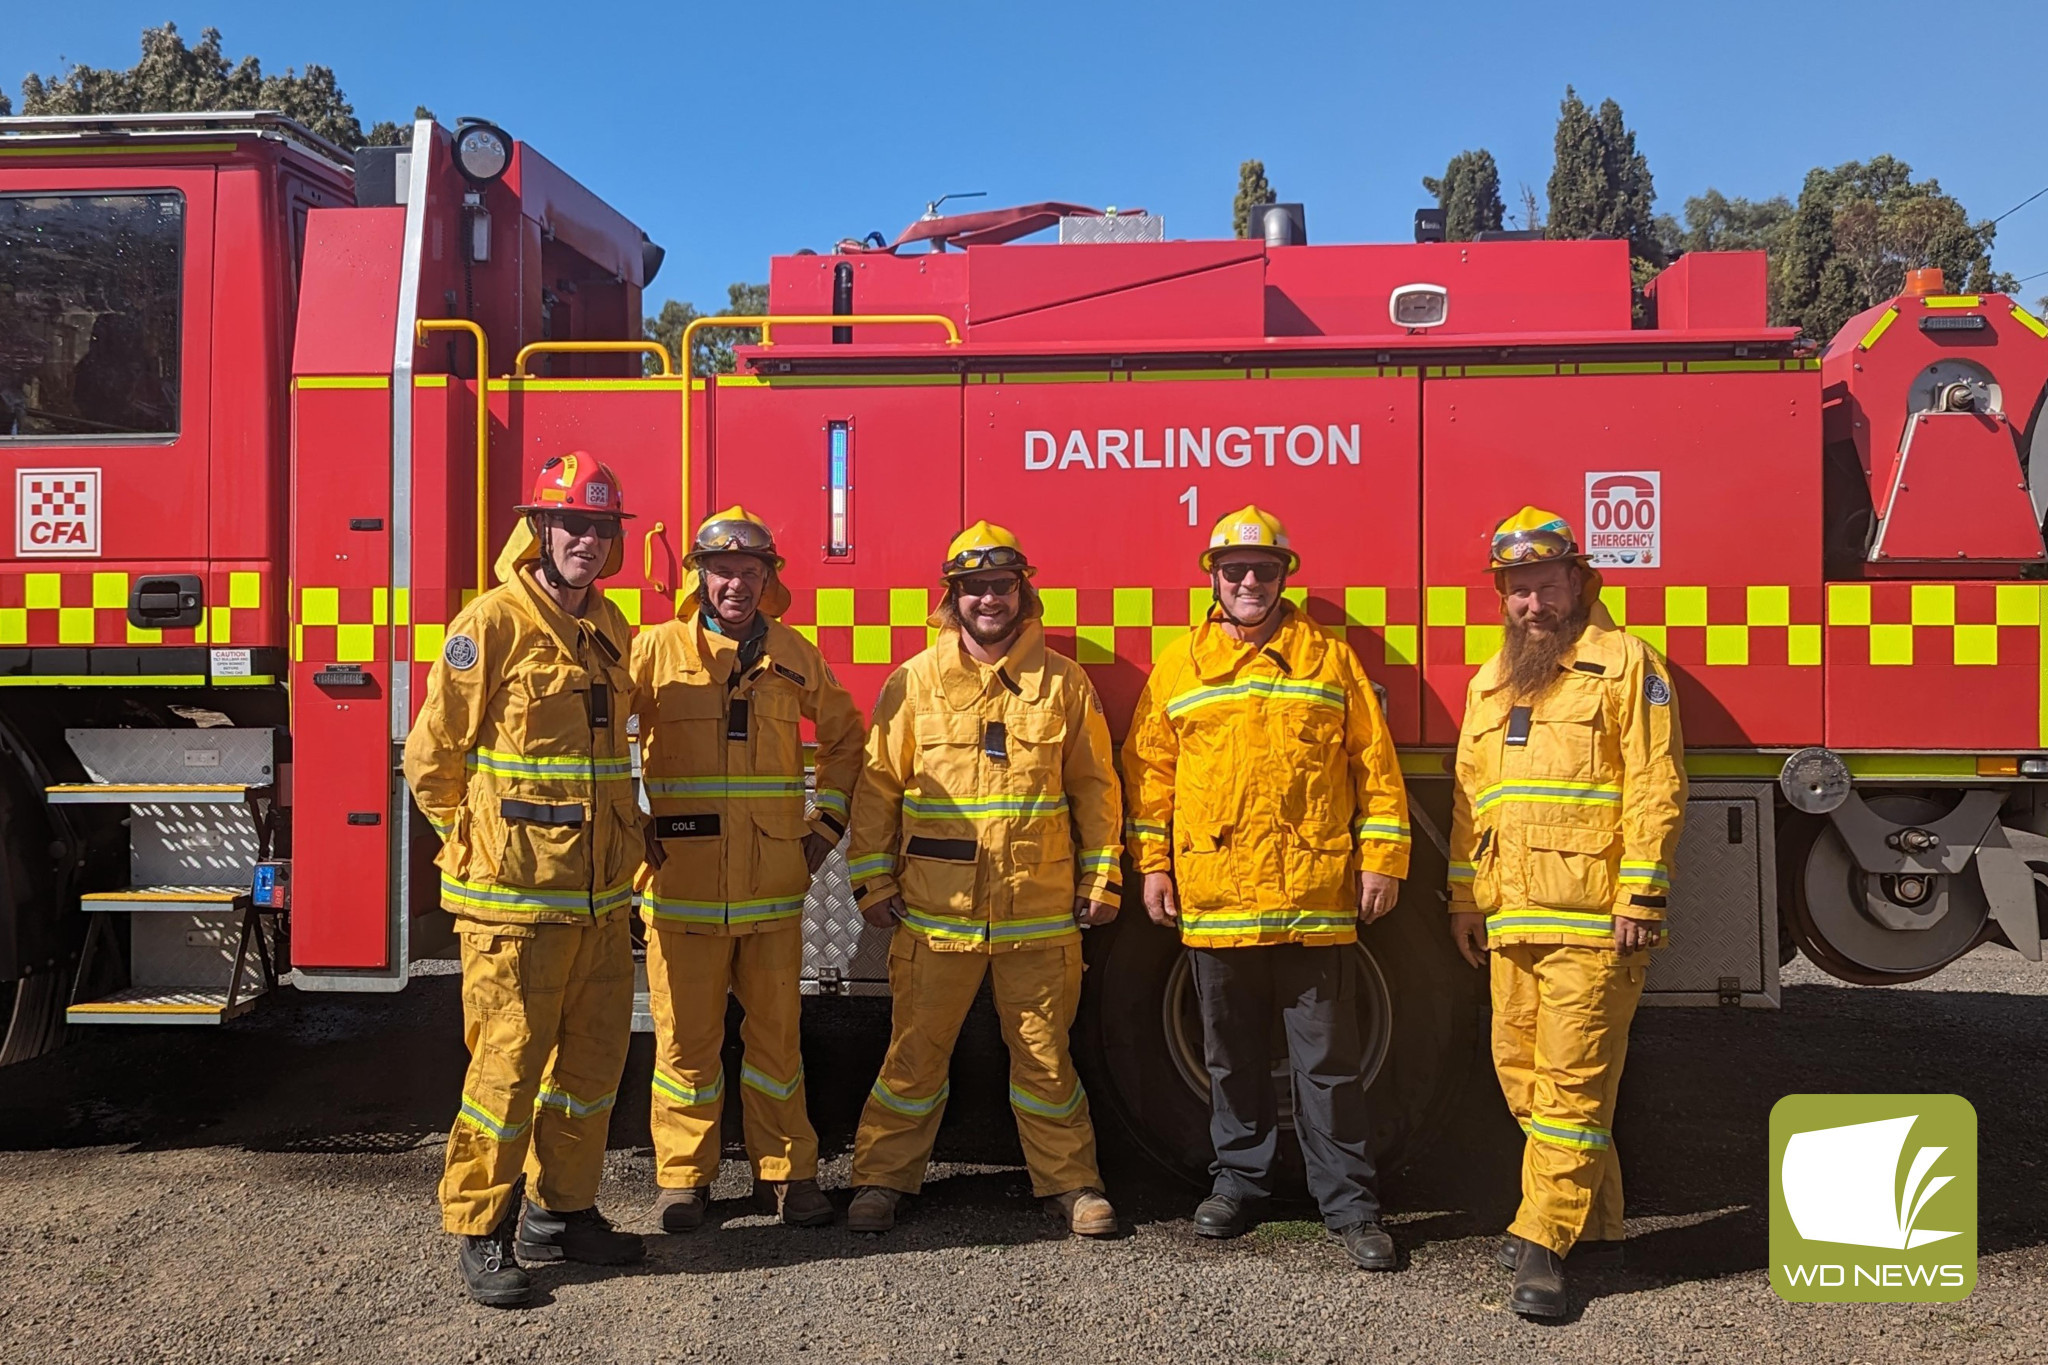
(1873, 1198)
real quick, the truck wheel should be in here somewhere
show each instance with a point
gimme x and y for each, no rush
(1141, 1036)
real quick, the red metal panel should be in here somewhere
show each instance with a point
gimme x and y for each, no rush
(341, 470)
(1228, 300)
(931, 282)
(1493, 287)
(1113, 487)
(249, 451)
(1957, 491)
(1711, 289)
(1733, 598)
(866, 611)
(1935, 666)
(348, 292)
(1004, 281)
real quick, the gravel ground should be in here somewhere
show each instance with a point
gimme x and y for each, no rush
(264, 1192)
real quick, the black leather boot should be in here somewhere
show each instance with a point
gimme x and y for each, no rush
(1220, 1215)
(1370, 1245)
(492, 1276)
(1539, 1283)
(584, 1235)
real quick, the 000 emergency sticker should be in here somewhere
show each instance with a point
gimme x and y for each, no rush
(1624, 519)
(460, 652)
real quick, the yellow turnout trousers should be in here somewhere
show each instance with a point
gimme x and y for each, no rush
(688, 976)
(1560, 1032)
(547, 1012)
(1036, 992)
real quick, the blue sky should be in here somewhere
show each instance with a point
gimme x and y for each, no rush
(735, 131)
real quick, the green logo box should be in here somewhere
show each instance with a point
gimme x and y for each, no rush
(1873, 1198)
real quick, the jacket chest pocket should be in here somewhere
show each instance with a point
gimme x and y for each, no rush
(1569, 867)
(1311, 740)
(775, 715)
(1035, 743)
(1566, 732)
(689, 727)
(553, 702)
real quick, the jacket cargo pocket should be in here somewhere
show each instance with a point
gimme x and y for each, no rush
(623, 846)
(692, 856)
(542, 850)
(1486, 871)
(1202, 873)
(1570, 867)
(939, 877)
(1319, 870)
(779, 868)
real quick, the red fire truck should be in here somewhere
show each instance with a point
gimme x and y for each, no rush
(266, 406)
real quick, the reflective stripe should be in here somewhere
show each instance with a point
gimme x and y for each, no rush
(1274, 689)
(825, 799)
(1391, 830)
(559, 767)
(1031, 1104)
(441, 827)
(1556, 793)
(755, 1078)
(721, 912)
(955, 929)
(1878, 328)
(689, 1096)
(1583, 1136)
(1144, 829)
(1464, 872)
(909, 1108)
(725, 788)
(1093, 860)
(456, 893)
(870, 865)
(1272, 921)
(554, 1097)
(981, 807)
(1656, 874)
(482, 1119)
(1590, 924)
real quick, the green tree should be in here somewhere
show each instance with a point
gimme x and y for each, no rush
(1253, 189)
(1600, 185)
(389, 134)
(1469, 195)
(711, 351)
(1857, 230)
(6, 104)
(1714, 222)
(174, 78)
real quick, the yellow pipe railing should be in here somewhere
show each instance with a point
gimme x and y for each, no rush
(766, 324)
(654, 348)
(483, 437)
(647, 558)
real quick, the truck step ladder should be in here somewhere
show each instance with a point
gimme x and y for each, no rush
(200, 951)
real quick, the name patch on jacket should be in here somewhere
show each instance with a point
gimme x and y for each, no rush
(686, 826)
(790, 674)
(538, 813)
(1654, 690)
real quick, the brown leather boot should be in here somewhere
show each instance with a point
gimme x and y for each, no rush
(682, 1210)
(873, 1209)
(1088, 1214)
(1539, 1283)
(799, 1203)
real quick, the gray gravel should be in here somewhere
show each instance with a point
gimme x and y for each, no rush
(264, 1193)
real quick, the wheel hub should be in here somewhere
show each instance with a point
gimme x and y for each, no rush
(1887, 927)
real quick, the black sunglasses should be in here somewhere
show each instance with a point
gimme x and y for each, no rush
(1261, 570)
(604, 528)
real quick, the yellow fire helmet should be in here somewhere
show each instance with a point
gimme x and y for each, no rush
(735, 531)
(985, 545)
(1532, 536)
(1250, 527)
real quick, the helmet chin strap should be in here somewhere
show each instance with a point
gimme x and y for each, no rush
(1216, 595)
(548, 568)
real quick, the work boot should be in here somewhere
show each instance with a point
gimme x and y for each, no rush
(1539, 1283)
(1220, 1215)
(873, 1209)
(799, 1203)
(492, 1276)
(680, 1211)
(1588, 1255)
(584, 1235)
(1509, 1254)
(1370, 1245)
(1088, 1214)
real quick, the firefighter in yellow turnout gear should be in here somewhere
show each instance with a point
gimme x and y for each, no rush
(719, 692)
(985, 828)
(1269, 819)
(1569, 797)
(519, 760)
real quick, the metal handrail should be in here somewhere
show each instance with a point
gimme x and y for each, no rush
(766, 323)
(591, 348)
(647, 558)
(483, 437)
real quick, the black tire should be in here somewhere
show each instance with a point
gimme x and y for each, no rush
(1423, 1028)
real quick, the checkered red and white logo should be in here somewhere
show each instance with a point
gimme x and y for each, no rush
(56, 512)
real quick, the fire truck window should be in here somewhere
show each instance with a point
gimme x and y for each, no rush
(89, 304)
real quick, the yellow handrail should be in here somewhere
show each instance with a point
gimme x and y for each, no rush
(668, 368)
(647, 557)
(483, 437)
(766, 324)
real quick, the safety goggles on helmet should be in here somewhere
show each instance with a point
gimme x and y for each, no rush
(734, 535)
(977, 557)
(1531, 547)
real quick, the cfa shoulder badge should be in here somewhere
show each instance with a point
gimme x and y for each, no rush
(1655, 692)
(460, 652)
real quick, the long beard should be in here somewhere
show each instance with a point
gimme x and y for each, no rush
(1531, 659)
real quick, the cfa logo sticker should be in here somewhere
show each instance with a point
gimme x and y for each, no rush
(56, 512)
(1873, 1198)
